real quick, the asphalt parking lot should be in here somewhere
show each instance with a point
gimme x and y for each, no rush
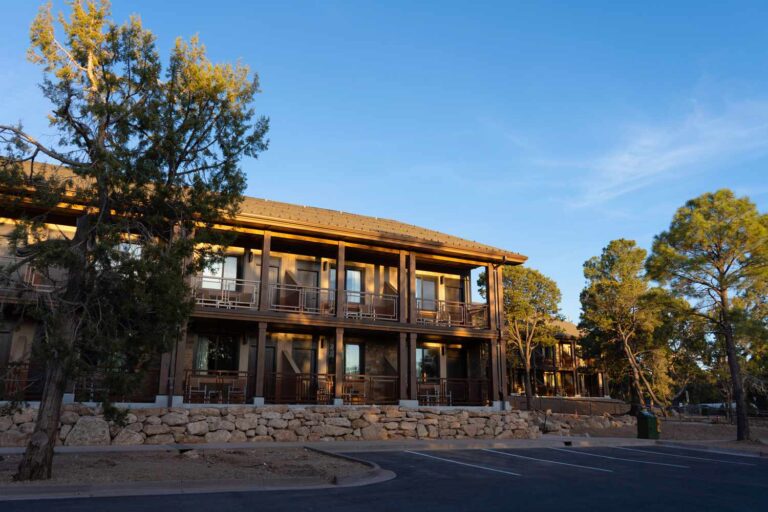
(542, 479)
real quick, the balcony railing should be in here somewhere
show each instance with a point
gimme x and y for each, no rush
(142, 386)
(451, 314)
(216, 386)
(453, 391)
(302, 299)
(226, 293)
(299, 388)
(22, 278)
(370, 389)
(21, 381)
(373, 306)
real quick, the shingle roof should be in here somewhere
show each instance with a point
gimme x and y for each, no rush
(371, 226)
(568, 329)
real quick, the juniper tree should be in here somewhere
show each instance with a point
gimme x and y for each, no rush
(148, 156)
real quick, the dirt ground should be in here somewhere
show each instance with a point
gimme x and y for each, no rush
(715, 435)
(260, 465)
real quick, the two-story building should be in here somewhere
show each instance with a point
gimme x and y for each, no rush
(314, 306)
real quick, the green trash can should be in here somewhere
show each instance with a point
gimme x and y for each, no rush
(647, 425)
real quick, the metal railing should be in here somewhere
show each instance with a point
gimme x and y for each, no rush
(373, 306)
(567, 405)
(226, 293)
(370, 389)
(453, 391)
(141, 386)
(22, 381)
(22, 278)
(293, 298)
(451, 314)
(299, 388)
(216, 386)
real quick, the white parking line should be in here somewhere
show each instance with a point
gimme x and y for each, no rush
(464, 463)
(682, 456)
(548, 461)
(578, 452)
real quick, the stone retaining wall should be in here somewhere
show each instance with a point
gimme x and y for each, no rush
(83, 426)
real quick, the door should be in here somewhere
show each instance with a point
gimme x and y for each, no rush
(310, 281)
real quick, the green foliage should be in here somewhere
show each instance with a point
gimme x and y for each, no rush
(150, 155)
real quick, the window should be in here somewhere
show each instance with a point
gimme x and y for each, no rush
(216, 352)
(428, 362)
(353, 283)
(221, 275)
(426, 293)
(353, 359)
(454, 291)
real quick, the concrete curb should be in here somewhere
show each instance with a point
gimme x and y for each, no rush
(374, 475)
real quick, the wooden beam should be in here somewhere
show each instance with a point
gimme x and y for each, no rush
(264, 295)
(341, 281)
(402, 365)
(261, 350)
(402, 288)
(413, 376)
(412, 313)
(339, 384)
(494, 388)
(490, 295)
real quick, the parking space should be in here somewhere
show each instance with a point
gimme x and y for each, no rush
(543, 479)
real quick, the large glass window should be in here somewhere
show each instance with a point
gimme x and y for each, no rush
(221, 275)
(428, 362)
(353, 283)
(216, 352)
(426, 293)
(353, 359)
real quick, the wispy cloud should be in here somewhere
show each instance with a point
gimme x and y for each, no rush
(650, 154)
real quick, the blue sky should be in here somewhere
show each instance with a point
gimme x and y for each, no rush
(547, 128)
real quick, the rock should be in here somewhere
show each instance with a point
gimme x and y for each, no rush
(174, 419)
(25, 416)
(89, 431)
(219, 436)
(27, 428)
(238, 437)
(5, 423)
(331, 430)
(247, 423)
(153, 420)
(422, 431)
(160, 439)
(126, 437)
(191, 454)
(13, 438)
(261, 439)
(278, 423)
(374, 432)
(136, 427)
(338, 422)
(153, 430)
(284, 435)
(220, 424)
(197, 428)
(64, 431)
(69, 418)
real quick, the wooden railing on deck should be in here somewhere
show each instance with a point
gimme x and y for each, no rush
(299, 388)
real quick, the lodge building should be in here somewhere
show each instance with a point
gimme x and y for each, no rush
(312, 306)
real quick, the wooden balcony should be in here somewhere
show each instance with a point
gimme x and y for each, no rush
(19, 281)
(226, 293)
(371, 306)
(291, 298)
(451, 314)
(370, 389)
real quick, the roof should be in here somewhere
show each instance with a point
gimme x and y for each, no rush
(568, 329)
(267, 210)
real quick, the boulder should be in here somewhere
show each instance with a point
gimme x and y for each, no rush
(6, 422)
(160, 439)
(127, 436)
(154, 430)
(338, 422)
(284, 435)
(13, 438)
(174, 419)
(238, 437)
(25, 416)
(374, 432)
(89, 431)
(69, 418)
(197, 428)
(219, 436)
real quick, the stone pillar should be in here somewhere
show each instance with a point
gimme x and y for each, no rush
(341, 282)
(259, 367)
(339, 384)
(264, 298)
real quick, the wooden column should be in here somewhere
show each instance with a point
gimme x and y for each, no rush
(490, 295)
(260, 366)
(264, 297)
(503, 368)
(494, 385)
(412, 313)
(165, 373)
(402, 365)
(412, 375)
(402, 288)
(339, 384)
(341, 281)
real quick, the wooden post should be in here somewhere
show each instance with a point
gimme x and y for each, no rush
(412, 313)
(261, 350)
(402, 365)
(264, 295)
(341, 281)
(490, 295)
(402, 289)
(178, 372)
(503, 368)
(339, 385)
(165, 372)
(494, 387)
(413, 385)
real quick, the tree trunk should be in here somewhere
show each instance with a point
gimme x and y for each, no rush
(528, 390)
(636, 385)
(742, 421)
(63, 331)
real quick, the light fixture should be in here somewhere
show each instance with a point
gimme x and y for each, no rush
(442, 279)
(325, 266)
